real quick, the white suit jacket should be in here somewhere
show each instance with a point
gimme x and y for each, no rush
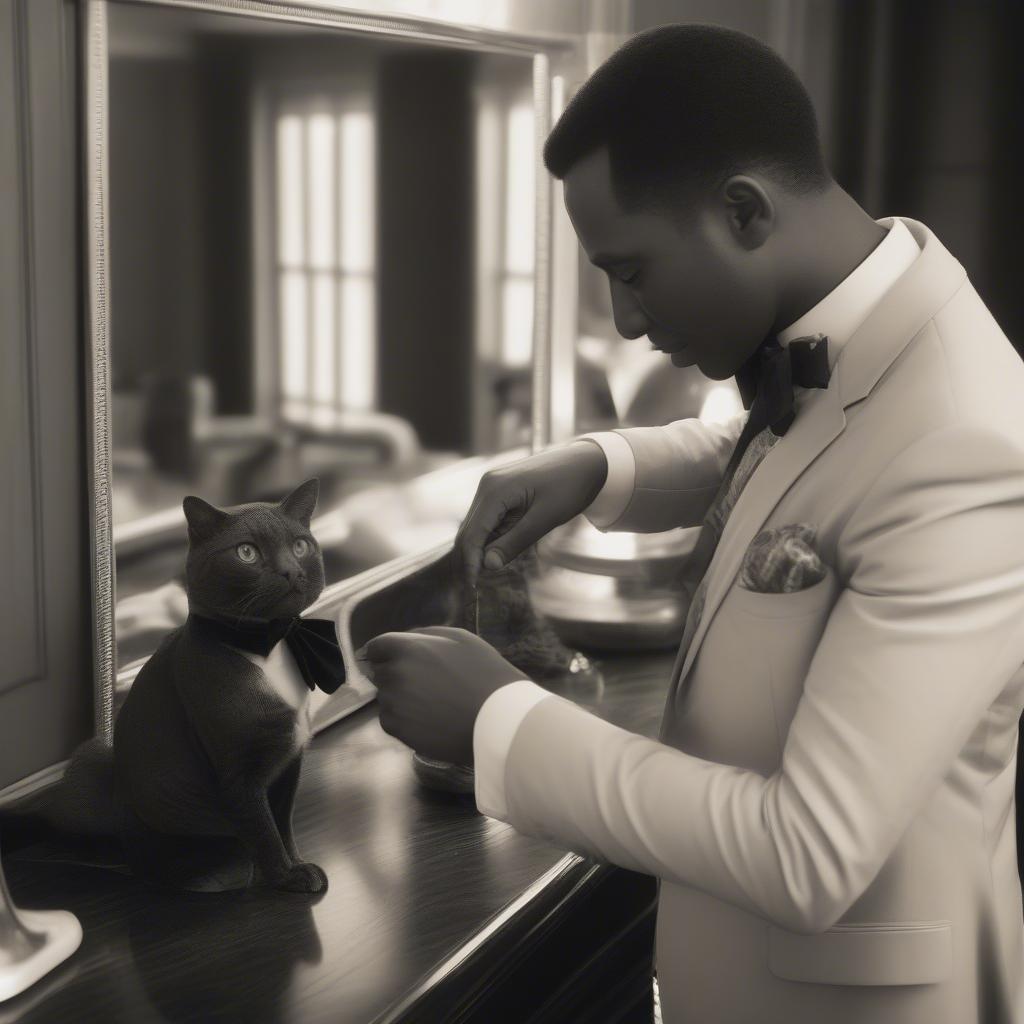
(832, 815)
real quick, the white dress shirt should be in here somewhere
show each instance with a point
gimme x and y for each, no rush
(837, 315)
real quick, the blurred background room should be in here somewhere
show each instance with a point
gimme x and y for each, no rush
(249, 242)
(323, 254)
(330, 249)
(321, 258)
(326, 246)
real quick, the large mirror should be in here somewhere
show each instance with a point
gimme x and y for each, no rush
(319, 259)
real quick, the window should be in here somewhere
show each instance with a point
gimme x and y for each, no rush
(325, 279)
(506, 184)
(517, 269)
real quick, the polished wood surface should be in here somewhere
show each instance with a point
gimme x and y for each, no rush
(415, 878)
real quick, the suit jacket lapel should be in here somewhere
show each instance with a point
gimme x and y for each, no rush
(819, 422)
(930, 281)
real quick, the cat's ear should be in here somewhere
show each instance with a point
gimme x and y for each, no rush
(203, 519)
(301, 502)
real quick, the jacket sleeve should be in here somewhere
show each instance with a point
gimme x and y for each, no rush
(925, 634)
(660, 478)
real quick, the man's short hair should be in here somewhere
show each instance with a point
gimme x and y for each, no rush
(681, 108)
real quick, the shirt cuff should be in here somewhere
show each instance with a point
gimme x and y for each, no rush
(611, 501)
(496, 723)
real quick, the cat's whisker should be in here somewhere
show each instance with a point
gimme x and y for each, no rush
(247, 602)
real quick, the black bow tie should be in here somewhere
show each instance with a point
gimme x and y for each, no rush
(770, 373)
(313, 643)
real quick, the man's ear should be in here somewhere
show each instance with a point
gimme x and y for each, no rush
(749, 209)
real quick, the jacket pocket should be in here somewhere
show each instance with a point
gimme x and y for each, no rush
(895, 953)
(796, 604)
(786, 630)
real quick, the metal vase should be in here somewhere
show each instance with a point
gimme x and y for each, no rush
(32, 942)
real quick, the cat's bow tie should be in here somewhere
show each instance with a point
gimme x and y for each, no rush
(313, 643)
(770, 373)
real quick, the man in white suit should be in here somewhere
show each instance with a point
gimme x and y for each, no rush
(830, 809)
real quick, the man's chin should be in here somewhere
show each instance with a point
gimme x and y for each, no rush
(684, 357)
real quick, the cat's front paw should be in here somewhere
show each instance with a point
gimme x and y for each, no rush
(303, 877)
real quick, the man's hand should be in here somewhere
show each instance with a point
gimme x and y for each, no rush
(516, 505)
(431, 684)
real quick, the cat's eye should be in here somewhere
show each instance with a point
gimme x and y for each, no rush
(300, 547)
(247, 552)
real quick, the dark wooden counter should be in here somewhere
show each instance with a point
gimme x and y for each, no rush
(434, 912)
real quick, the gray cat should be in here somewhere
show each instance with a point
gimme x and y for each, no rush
(200, 781)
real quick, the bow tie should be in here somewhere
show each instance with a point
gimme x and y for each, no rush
(313, 643)
(770, 373)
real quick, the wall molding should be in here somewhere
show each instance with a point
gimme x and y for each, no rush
(98, 425)
(33, 783)
(27, 337)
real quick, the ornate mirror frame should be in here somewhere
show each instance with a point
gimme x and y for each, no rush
(546, 88)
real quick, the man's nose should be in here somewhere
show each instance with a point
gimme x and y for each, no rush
(630, 319)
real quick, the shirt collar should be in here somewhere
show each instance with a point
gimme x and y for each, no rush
(847, 306)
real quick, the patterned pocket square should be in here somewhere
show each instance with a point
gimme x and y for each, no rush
(782, 560)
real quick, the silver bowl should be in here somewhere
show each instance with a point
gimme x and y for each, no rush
(613, 592)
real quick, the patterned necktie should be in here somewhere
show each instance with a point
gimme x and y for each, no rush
(766, 386)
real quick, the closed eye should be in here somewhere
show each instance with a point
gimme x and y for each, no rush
(631, 277)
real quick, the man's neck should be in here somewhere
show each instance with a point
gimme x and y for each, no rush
(829, 238)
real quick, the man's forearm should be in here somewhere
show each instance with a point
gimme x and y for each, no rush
(660, 478)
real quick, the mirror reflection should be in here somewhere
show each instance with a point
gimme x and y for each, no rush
(321, 264)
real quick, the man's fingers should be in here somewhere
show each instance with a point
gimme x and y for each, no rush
(438, 636)
(387, 720)
(389, 647)
(480, 520)
(384, 647)
(445, 632)
(465, 563)
(512, 543)
(493, 518)
(496, 550)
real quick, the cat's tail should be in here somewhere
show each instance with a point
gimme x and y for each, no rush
(83, 803)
